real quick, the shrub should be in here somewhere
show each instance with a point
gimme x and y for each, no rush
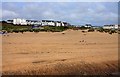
(21, 31)
(83, 31)
(36, 30)
(31, 30)
(55, 28)
(63, 33)
(113, 31)
(9, 31)
(100, 29)
(106, 30)
(75, 28)
(83, 28)
(16, 31)
(43, 30)
(70, 27)
(110, 32)
(91, 30)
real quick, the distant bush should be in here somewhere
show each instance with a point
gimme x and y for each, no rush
(55, 28)
(16, 31)
(118, 31)
(43, 30)
(83, 31)
(76, 28)
(110, 32)
(100, 29)
(24, 28)
(106, 30)
(30, 30)
(15, 28)
(36, 30)
(9, 31)
(21, 31)
(83, 28)
(91, 30)
(114, 31)
(70, 27)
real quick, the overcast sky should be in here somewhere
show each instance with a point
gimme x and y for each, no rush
(78, 13)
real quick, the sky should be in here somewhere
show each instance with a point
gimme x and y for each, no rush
(76, 13)
(59, 0)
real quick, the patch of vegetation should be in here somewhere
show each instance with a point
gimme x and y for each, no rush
(112, 31)
(91, 30)
(15, 28)
(83, 31)
(83, 28)
(6, 26)
(106, 30)
(24, 28)
(36, 30)
(100, 29)
(55, 28)
(10, 28)
(76, 28)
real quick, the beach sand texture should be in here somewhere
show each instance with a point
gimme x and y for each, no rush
(60, 53)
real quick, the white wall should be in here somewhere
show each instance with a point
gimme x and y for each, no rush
(58, 24)
(111, 27)
(20, 21)
(63, 24)
(108, 27)
(44, 23)
(48, 23)
(24, 22)
(51, 23)
(116, 26)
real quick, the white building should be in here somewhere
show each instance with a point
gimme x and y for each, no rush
(48, 23)
(88, 25)
(9, 21)
(54, 23)
(111, 26)
(58, 23)
(33, 22)
(65, 24)
(117, 26)
(19, 21)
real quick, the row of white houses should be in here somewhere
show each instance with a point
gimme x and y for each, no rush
(19, 21)
(111, 26)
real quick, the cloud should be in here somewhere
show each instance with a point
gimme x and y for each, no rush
(96, 13)
(0, 14)
(60, 0)
(9, 14)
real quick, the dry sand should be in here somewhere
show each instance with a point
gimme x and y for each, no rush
(60, 53)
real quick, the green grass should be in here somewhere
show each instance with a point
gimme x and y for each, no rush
(91, 30)
(24, 28)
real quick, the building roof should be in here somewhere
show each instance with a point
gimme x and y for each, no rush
(48, 21)
(32, 21)
(58, 21)
(10, 20)
(65, 23)
(109, 25)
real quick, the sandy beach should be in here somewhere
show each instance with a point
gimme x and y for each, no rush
(60, 53)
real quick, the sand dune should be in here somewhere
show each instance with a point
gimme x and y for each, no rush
(68, 52)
